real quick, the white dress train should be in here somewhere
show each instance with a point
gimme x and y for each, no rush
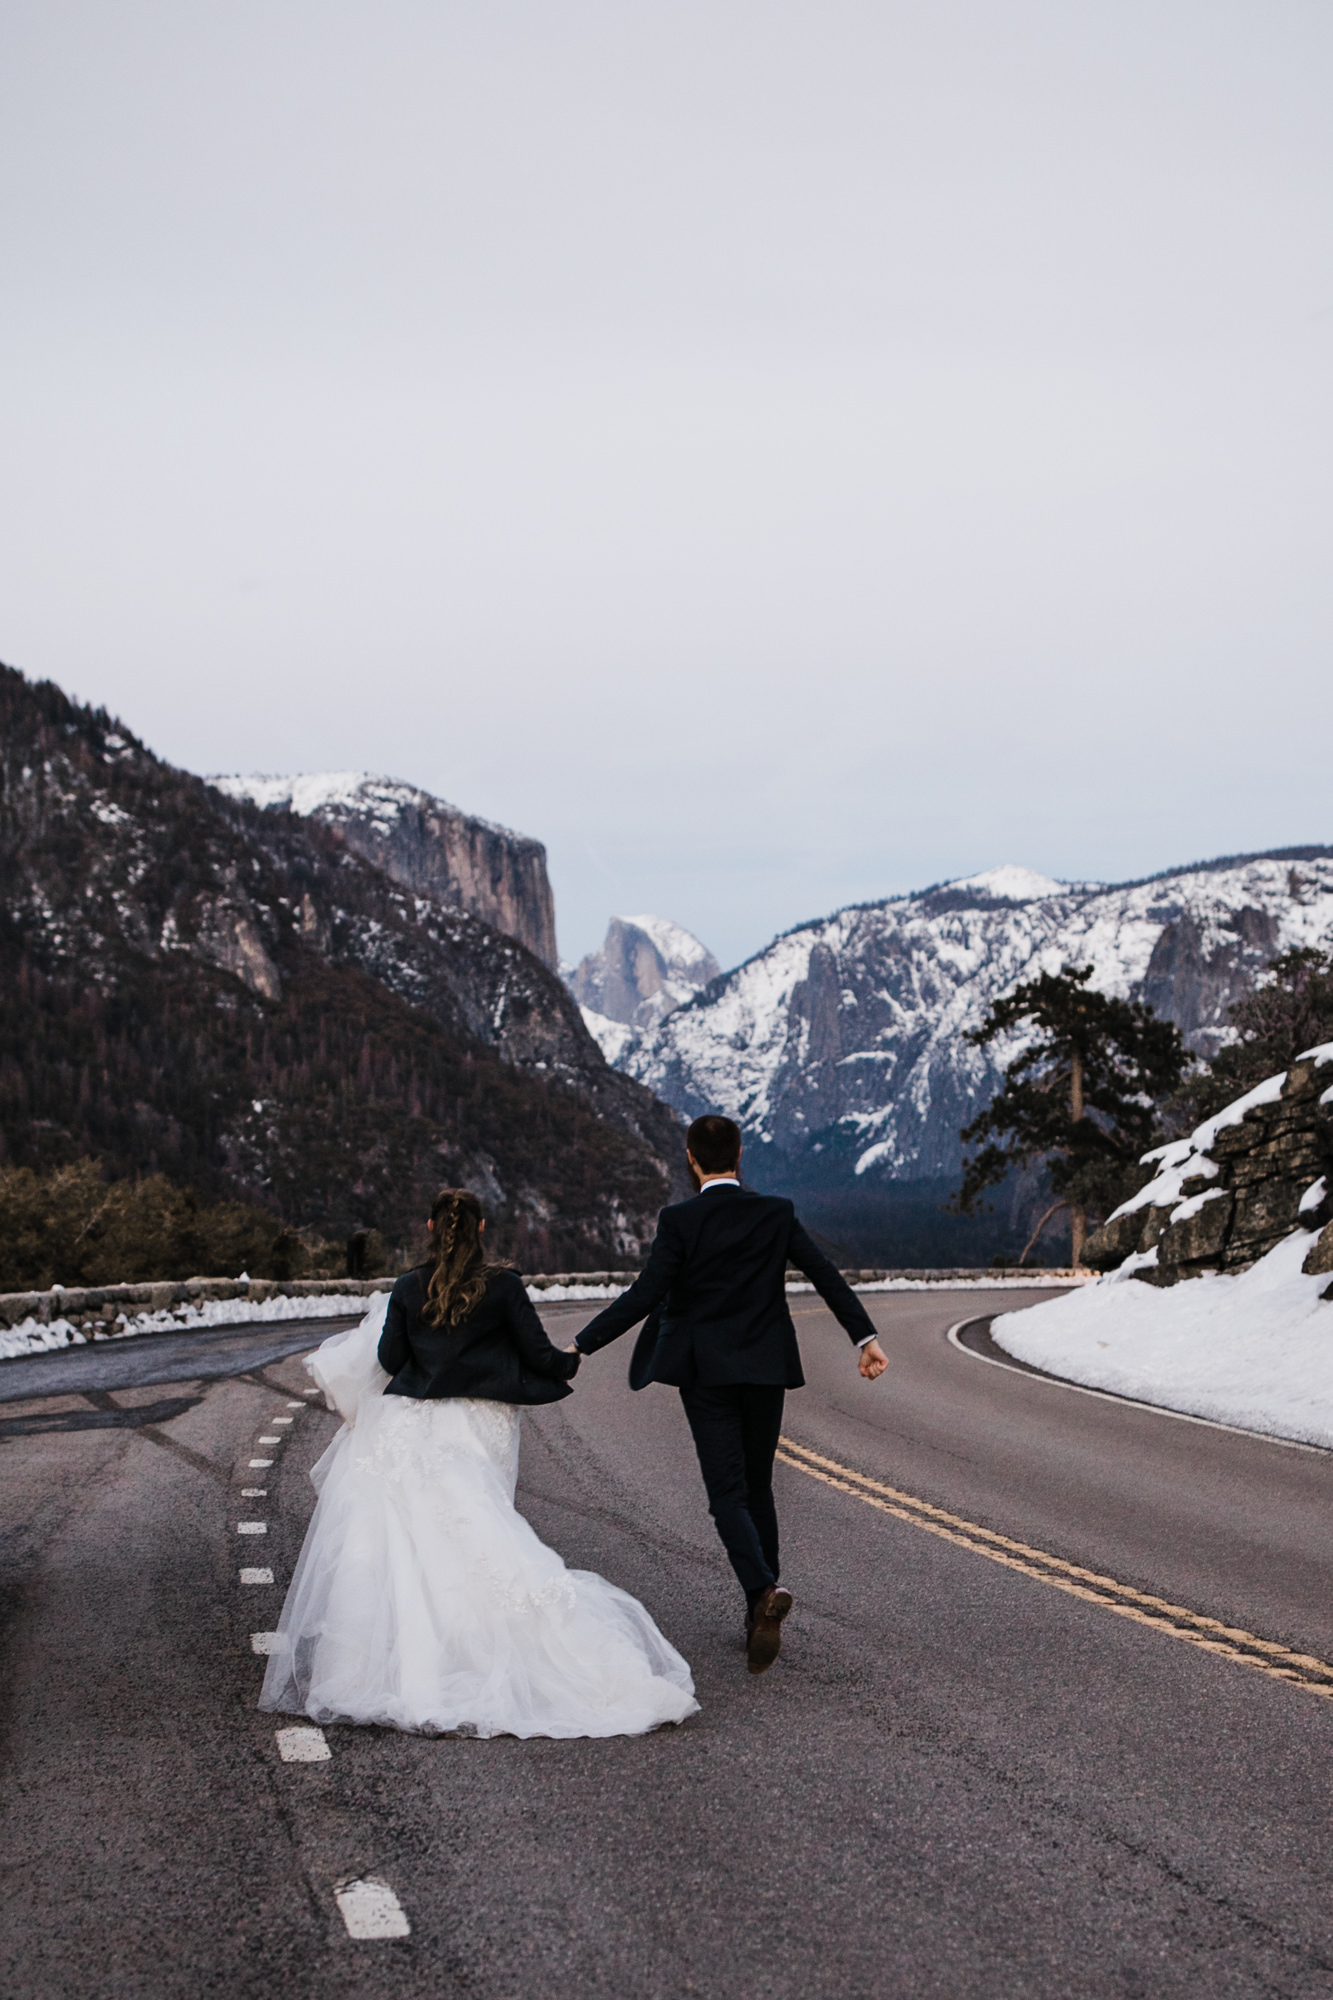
(424, 1601)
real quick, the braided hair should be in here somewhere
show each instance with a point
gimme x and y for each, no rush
(458, 1281)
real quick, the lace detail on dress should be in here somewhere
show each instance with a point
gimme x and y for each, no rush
(424, 1440)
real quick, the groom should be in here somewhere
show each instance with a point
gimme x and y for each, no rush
(718, 1329)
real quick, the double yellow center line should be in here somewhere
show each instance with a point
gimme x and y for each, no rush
(1231, 1641)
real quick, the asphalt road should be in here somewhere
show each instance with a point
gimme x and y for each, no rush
(206, 1354)
(973, 1772)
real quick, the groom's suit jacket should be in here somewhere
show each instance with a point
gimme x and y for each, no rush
(714, 1291)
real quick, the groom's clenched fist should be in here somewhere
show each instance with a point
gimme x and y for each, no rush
(873, 1360)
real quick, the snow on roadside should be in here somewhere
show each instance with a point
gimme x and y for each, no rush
(1253, 1349)
(551, 1295)
(30, 1336)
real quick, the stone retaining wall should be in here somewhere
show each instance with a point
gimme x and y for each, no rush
(107, 1302)
(102, 1304)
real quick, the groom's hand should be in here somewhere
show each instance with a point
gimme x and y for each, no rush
(873, 1360)
(573, 1348)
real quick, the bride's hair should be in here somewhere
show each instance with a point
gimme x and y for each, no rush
(458, 1281)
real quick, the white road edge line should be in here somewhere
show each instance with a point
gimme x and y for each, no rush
(1110, 1396)
(371, 1910)
(256, 1576)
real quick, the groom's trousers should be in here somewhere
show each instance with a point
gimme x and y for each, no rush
(736, 1430)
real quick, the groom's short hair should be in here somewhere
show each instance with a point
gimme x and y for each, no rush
(715, 1143)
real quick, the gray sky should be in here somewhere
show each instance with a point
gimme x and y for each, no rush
(777, 454)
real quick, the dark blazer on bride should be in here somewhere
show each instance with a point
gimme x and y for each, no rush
(499, 1353)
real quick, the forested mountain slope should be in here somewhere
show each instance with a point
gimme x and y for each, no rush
(234, 997)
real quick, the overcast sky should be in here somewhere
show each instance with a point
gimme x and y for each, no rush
(779, 455)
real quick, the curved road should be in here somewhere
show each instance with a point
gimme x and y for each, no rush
(1047, 1720)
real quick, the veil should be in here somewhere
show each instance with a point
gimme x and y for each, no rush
(346, 1365)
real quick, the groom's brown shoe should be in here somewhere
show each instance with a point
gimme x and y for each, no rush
(765, 1635)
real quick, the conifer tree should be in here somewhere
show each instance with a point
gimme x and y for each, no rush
(1081, 1098)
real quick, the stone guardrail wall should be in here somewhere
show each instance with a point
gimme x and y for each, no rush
(104, 1303)
(107, 1302)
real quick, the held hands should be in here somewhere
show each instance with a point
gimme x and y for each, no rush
(873, 1361)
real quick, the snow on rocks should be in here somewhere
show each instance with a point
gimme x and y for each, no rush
(1223, 1197)
(610, 1036)
(324, 794)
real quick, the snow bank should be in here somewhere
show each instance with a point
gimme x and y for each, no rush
(30, 1336)
(1253, 1349)
(551, 1295)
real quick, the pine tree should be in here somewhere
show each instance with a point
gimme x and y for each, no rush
(1081, 1098)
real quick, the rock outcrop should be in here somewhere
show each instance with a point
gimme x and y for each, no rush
(646, 968)
(459, 861)
(1240, 1183)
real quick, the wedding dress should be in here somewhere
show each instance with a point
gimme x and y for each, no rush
(422, 1599)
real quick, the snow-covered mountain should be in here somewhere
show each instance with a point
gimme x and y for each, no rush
(840, 1047)
(646, 968)
(453, 857)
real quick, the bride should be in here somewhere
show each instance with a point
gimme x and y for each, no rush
(422, 1599)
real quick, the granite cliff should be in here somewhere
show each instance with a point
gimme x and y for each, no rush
(459, 861)
(645, 969)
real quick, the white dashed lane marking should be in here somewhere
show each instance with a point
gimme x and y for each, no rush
(371, 1910)
(303, 1746)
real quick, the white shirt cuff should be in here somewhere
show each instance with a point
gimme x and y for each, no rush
(866, 1342)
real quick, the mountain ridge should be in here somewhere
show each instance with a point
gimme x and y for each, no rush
(841, 1046)
(235, 997)
(1312, 852)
